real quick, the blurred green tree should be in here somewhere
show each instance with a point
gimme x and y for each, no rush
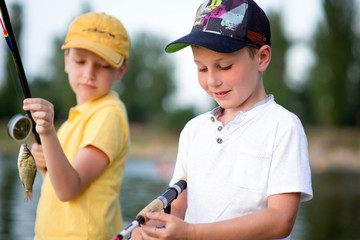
(276, 81)
(149, 79)
(274, 76)
(334, 84)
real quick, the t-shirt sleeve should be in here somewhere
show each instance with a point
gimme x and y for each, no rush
(181, 160)
(290, 168)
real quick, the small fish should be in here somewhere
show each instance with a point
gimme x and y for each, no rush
(27, 170)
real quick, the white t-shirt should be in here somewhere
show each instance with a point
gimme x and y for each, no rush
(232, 169)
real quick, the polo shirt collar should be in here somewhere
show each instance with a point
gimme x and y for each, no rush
(217, 111)
(79, 109)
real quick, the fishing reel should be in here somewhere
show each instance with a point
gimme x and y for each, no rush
(20, 127)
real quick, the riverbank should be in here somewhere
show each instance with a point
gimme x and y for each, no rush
(329, 148)
(334, 148)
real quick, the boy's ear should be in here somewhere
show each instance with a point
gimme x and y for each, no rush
(122, 71)
(264, 54)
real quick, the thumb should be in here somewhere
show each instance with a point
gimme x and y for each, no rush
(36, 147)
(160, 216)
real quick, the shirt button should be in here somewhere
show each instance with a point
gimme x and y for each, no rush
(219, 141)
(212, 119)
(220, 128)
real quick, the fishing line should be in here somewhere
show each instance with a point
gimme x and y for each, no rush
(11, 42)
(11, 73)
(24, 126)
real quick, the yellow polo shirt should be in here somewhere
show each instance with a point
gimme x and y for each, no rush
(95, 213)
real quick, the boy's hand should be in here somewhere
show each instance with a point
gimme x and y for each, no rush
(37, 152)
(136, 234)
(42, 112)
(175, 228)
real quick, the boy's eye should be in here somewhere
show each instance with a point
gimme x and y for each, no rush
(202, 69)
(225, 68)
(79, 61)
(105, 66)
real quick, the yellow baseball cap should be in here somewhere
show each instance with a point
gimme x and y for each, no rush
(102, 34)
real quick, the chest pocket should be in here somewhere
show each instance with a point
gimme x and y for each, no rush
(251, 169)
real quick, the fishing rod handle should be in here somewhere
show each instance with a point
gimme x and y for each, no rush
(155, 206)
(165, 199)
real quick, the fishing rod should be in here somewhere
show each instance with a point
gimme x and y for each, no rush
(162, 202)
(19, 126)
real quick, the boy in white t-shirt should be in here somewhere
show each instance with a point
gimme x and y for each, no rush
(247, 160)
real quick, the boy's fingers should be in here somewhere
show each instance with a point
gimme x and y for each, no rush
(36, 147)
(157, 216)
(42, 115)
(33, 100)
(32, 106)
(39, 111)
(151, 232)
(37, 103)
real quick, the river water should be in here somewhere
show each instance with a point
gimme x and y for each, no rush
(333, 214)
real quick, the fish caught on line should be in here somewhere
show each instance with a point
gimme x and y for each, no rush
(27, 170)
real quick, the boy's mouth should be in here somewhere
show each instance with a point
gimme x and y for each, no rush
(87, 86)
(221, 94)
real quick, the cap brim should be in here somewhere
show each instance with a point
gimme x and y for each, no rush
(215, 42)
(112, 57)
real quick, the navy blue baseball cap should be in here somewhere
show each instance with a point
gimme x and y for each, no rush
(226, 26)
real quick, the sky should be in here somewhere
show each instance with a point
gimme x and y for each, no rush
(44, 20)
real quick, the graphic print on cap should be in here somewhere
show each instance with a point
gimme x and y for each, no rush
(222, 17)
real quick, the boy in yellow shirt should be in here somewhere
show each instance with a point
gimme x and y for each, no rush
(83, 163)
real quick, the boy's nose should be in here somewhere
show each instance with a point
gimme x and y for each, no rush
(213, 80)
(89, 71)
